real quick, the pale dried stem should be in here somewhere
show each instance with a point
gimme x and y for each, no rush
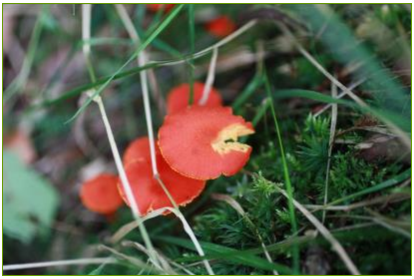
(210, 79)
(397, 197)
(86, 19)
(143, 76)
(334, 117)
(85, 261)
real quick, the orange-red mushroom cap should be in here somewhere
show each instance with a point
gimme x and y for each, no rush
(201, 142)
(221, 27)
(138, 150)
(149, 194)
(156, 7)
(101, 195)
(178, 97)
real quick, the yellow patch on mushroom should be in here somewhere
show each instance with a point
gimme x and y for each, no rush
(226, 140)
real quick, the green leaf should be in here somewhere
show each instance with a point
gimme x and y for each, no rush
(29, 201)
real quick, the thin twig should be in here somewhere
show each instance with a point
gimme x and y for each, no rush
(84, 261)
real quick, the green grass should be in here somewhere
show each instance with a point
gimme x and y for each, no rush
(286, 175)
(279, 94)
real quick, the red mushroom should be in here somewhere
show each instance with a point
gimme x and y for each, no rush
(101, 195)
(156, 7)
(221, 27)
(138, 150)
(201, 142)
(178, 97)
(147, 191)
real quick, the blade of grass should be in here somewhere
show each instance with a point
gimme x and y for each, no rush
(141, 47)
(106, 41)
(86, 26)
(21, 79)
(152, 64)
(332, 132)
(261, 112)
(58, 73)
(191, 25)
(386, 184)
(147, 108)
(156, 20)
(147, 75)
(345, 48)
(230, 255)
(393, 127)
(248, 91)
(161, 45)
(285, 173)
(316, 96)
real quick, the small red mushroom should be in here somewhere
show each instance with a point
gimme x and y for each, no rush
(146, 189)
(221, 26)
(178, 97)
(156, 7)
(138, 150)
(101, 195)
(201, 142)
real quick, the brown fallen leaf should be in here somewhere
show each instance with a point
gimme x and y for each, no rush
(383, 147)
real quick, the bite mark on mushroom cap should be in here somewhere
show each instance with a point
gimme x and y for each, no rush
(222, 143)
(194, 142)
